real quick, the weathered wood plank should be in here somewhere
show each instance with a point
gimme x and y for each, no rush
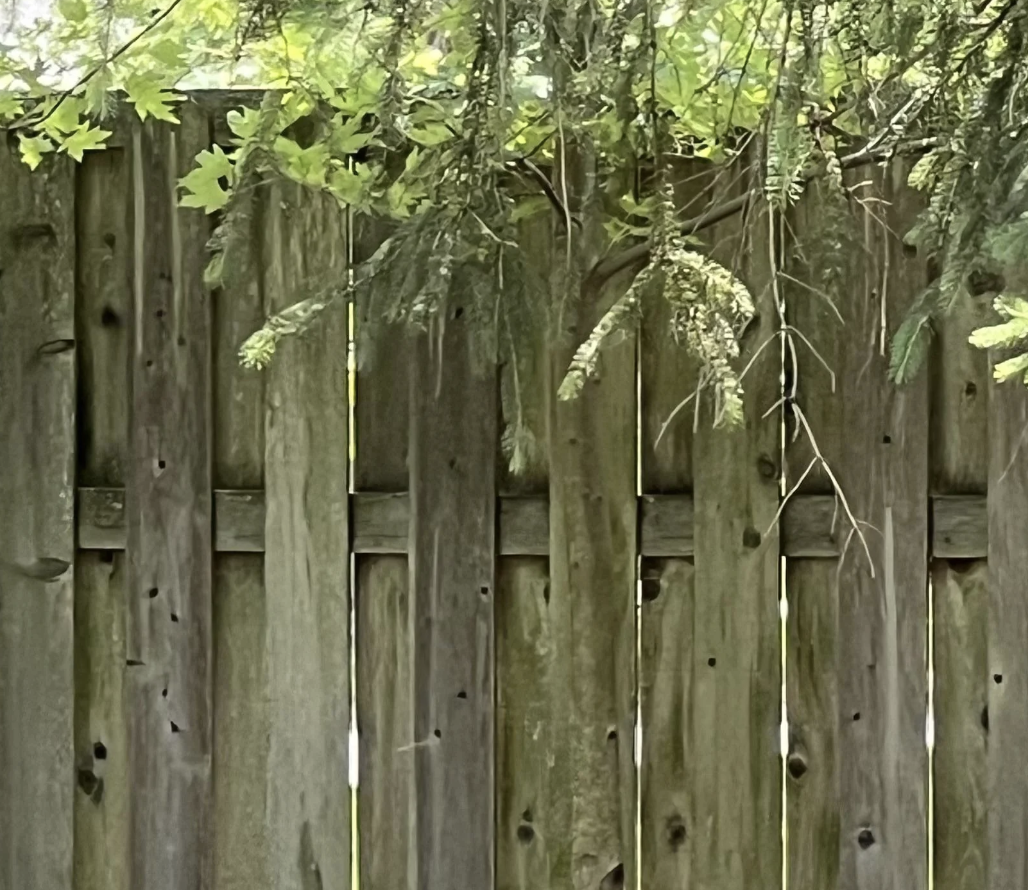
(37, 461)
(452, 564)
(960, 529)
(874, 437)
(385, 709)
(101, 727)
(812, 526)
(1007, 785)
(168, 519)
(241, 722)
(306, 559)
(385, 684)
(667, 661)
(593, 550)
(815, 724)
(960, 591)
(736, 706)
(102, 315)
(530, 850)
(241, 736)
(531, 762)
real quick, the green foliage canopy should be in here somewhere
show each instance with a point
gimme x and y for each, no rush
(456, 119)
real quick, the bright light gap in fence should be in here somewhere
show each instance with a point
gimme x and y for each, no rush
(930, 730)
(637, 741)
(783, 615)
(353, 742)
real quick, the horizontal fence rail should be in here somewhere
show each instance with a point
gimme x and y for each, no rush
(812, 525)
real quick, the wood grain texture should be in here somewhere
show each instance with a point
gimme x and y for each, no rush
(961, 599)
(814, 771)
(960, 529)
(736, 691)
(241, 721)
(168, 518)
(306, 558)
(531, 851)
(385, 710)
(241, 724)
(452, 576)
(386, 794)
(1007, 786)
(103, 312)
(667, 661)
(593, 547)
(37, 461)
(875, 440)
(103, 317)
(101, 727)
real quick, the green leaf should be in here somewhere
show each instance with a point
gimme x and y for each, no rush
(85, 138)
(203, 183)
(528, 207)
(308, 166)
(1007, 369)
(994, 336)
(33, 148)
(909, 349)
(150, 99)
(74, 11)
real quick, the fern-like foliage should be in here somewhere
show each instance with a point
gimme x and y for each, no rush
(1010, 334)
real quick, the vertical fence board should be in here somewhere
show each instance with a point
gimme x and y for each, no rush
(168, 512)
(385, 709)
(532, 847)
(960, 592)
(875, 439)
(668, 376)
(532, 851)
(306, 561)
(103, 316)
(813, 813)
(737, 662)
(241, 727)
(666, 663)
(452, 572)
(37, 455)
(101, 737)
(960, 465)
(592, 441)
(1007, 787)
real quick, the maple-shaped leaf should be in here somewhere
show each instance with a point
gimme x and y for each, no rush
(203, 184)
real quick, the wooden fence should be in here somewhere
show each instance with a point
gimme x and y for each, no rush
(569, 678)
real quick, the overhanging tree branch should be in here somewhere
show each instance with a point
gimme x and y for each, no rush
(606, 269)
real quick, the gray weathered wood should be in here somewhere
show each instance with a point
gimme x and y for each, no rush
(1007, 785)
(103, 312)
(241, 721)
(452, 564)
(37, 461)
(101, 727)
(593, 549)
(667, 661)
(530, 849)
(736, 705)
(384, 634)
(385, 709)
(960, 529)
(168, 519)
(306, 558)
(875, 439)
(813, 772)
(531, 759)
(960, 592)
